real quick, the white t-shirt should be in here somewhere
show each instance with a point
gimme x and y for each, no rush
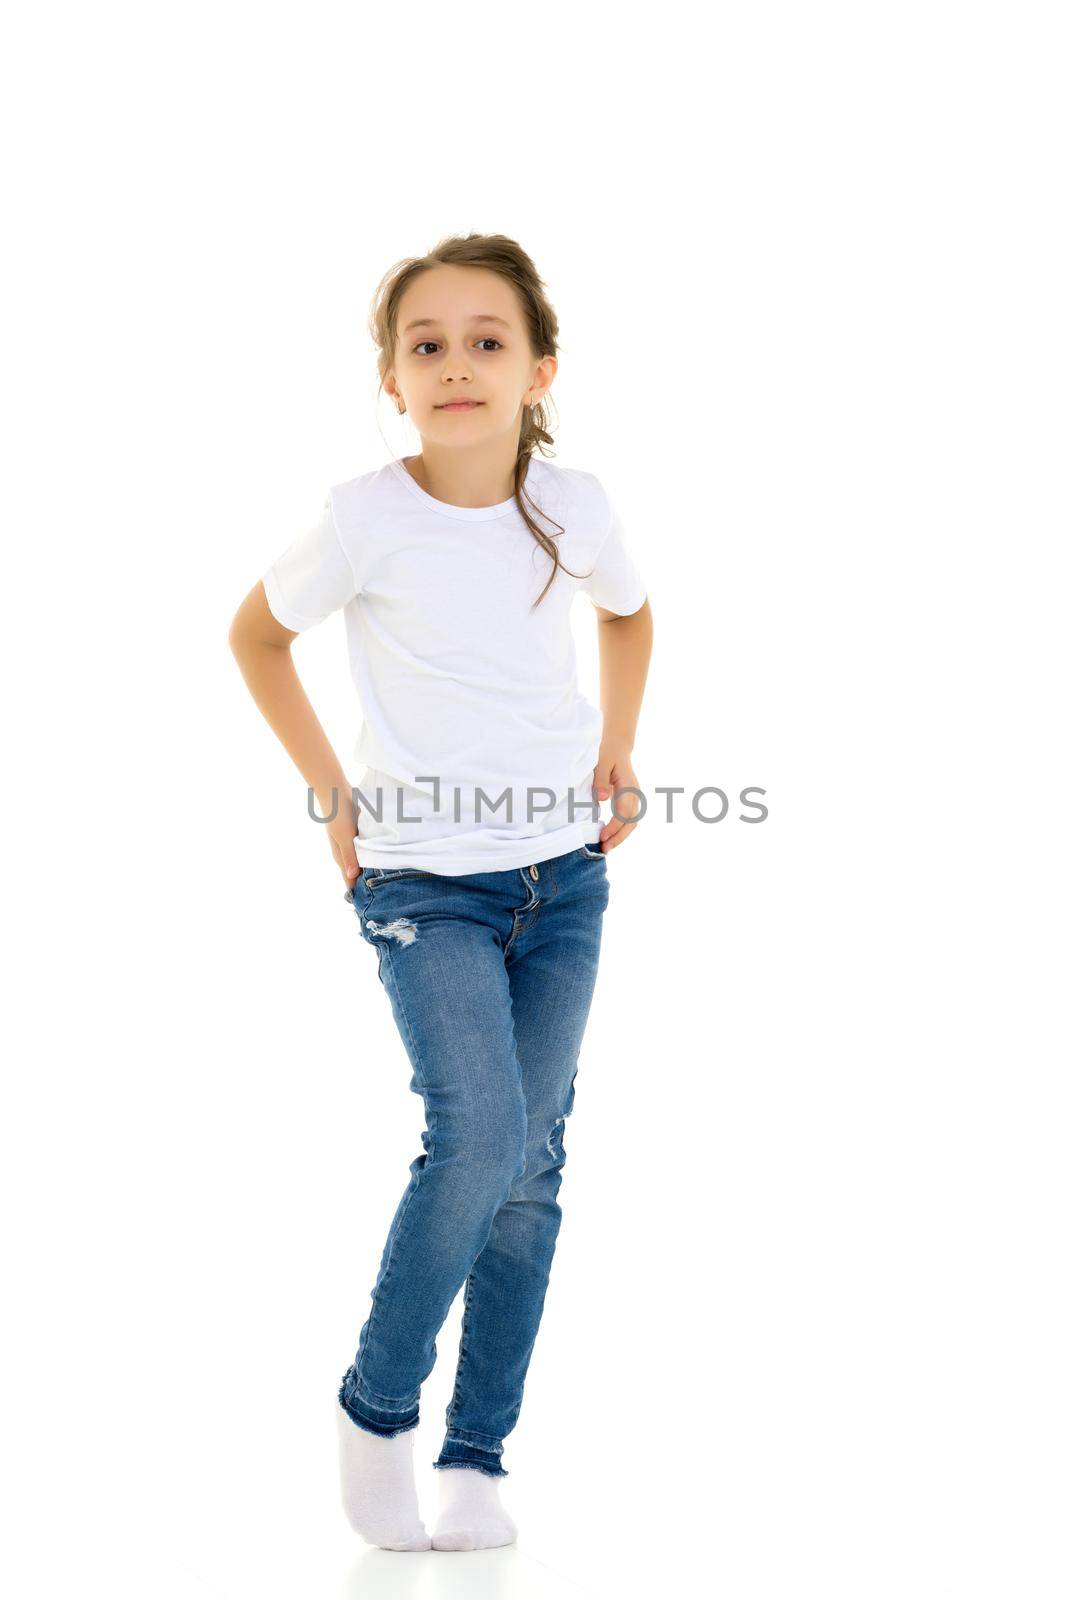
(459, 679)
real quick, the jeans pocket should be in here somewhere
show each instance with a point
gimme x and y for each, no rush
(593, 852)
(373, 875)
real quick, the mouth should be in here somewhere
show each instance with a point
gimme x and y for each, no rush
(460, 405)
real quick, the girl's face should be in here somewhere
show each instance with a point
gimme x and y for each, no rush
(461, 335)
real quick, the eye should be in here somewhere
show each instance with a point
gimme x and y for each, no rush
(487, 340)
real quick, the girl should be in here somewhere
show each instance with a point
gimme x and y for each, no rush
(474, 857)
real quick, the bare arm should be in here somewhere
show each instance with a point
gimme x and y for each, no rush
(625, 651)
(261, 645)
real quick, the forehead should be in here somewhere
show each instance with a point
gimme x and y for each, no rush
(479, 318)
(459, 297)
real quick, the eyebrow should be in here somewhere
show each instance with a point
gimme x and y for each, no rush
(431, 322)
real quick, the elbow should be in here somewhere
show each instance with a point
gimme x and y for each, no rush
(239, 638)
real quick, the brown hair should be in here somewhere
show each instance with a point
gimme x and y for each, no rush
(504, 256)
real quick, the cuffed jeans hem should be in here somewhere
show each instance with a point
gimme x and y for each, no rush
(459, 1452)
(371, 1414)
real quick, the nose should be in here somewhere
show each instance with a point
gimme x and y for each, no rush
(455, 368)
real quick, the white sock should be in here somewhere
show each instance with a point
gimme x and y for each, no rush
(470, 1516)
(378, 1485)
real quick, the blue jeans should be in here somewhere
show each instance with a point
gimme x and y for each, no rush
(490, 976)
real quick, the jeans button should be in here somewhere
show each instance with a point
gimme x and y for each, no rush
(533, 874)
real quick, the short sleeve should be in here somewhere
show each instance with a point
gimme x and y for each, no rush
(615, 582)
(312, 578)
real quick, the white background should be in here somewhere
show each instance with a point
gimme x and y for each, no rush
(806, 1325)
